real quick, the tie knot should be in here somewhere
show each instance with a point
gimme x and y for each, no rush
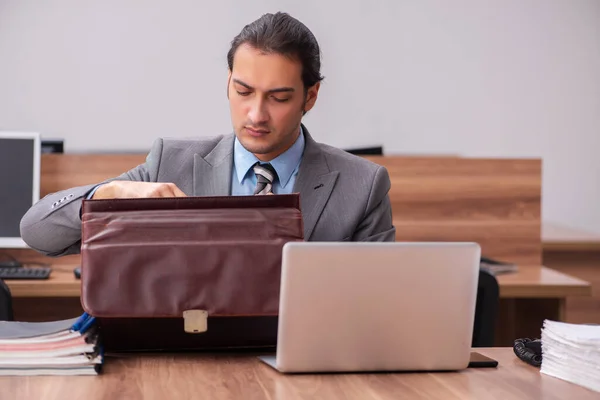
(265, 176)
(265, 171)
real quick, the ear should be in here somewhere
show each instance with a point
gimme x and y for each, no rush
(311, 97)
(228, 81)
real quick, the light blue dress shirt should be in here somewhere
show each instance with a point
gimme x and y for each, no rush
(243, 180)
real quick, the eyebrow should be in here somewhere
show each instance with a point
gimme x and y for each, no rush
(276, 90)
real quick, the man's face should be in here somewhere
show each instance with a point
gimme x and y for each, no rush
(267, 100)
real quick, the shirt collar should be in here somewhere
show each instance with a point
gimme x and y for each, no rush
(285, 164)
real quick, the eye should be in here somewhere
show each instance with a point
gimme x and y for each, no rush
(242, 93)
(280, 100)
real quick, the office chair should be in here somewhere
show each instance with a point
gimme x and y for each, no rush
(367, 151)
(486, 310)
(6, 310)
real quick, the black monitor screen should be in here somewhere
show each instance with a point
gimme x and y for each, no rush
(16, 183)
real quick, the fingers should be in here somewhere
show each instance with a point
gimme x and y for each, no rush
(128, 189)
(169, 190)
(176, 191)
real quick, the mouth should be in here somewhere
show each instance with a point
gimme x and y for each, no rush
(256, 132)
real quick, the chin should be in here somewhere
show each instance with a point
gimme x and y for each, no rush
(255, 145)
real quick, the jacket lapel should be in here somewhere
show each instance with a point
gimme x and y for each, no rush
(212, 173)
(314, 183)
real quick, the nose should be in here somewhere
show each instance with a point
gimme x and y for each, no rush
(258, 112)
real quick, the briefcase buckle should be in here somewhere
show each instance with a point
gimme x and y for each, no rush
(195, 321)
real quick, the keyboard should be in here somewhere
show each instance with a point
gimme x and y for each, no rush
(25, 273)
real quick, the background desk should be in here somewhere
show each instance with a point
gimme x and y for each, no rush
(227, 376)
(527, 297)
(494, 202)
(577, 253)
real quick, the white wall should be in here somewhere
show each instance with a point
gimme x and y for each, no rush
(518, 78)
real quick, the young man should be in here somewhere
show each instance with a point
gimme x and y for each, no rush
(274, 79)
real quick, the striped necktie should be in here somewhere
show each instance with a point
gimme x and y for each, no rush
(265, 175)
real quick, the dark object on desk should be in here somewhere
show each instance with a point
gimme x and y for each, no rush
(53, 146)
(529, 351)
(6, 309)
(480, 361)
(496, 267)
(367, 151)
(25, 273)
(486, 308)
(216, 261)
(77, 272)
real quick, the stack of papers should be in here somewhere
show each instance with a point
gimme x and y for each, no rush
(572, 352)
(67, 347)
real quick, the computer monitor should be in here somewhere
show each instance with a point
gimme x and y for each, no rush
(19, 182)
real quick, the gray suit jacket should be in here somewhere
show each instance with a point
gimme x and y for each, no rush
(343, 197)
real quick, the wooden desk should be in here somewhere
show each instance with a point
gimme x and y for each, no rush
(531, 295)
(50, 299)
(61, 283)
(225, 376)
(577, 253)
(557, 237)
(527, 297)
(541, 282)
(528, 282)
(495, 202)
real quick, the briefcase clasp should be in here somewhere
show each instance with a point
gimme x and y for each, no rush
(195, 321)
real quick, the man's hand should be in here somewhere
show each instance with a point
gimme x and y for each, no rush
(128, 189)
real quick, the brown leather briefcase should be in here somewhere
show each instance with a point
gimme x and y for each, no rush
(186, 273)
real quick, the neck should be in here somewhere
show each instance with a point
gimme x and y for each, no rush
(270, 156)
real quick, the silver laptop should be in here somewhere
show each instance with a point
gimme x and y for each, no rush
(349, 307)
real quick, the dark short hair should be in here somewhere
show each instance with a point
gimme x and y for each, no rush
(280, 33)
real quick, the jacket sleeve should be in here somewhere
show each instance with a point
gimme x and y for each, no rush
(52, 226)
